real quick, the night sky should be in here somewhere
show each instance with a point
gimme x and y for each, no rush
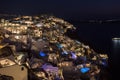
(72, 9)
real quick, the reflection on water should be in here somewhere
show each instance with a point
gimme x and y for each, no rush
(116, 50)
(115, 58)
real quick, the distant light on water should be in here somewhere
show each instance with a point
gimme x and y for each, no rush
(115, 38)
(116, 41)
(116, 49)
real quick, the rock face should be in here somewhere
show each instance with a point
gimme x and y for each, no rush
(42, 40)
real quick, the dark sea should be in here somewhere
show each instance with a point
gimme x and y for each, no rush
(98, 36)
